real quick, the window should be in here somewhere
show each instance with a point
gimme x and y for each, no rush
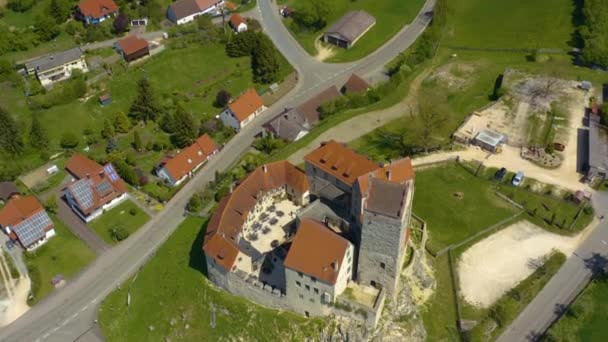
(314, 280)
(308, 287)
(316, 290)
(298, 284)
(300, 274)
(301, 296)
(382, 265)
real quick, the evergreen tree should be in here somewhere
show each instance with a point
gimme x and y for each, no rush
(137, 145)
(185, 128)
(145, 106)
(121, 123)
(242, 44)
(126, 172)
(46, 28)
(10, 136)
(38, 135)
(265, 61)
(108, 129)
(59, 10)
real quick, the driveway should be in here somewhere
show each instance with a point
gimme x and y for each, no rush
(79, 228)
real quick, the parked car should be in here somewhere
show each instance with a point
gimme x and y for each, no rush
(10, 244)
(559, 147)
(518, 178)
(500, 174)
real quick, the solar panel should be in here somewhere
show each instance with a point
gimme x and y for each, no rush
(83, 193)
(32, 229)
(111, 172)
(103, 188)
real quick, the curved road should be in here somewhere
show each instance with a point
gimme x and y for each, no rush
(68, 314)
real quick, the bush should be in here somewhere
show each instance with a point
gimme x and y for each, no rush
(132, 211)
(118, 233)
(69, 140)
(222, 98)
(51, 205)
(195, 204)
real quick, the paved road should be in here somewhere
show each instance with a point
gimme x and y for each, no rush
(537, 317)
(68, 314)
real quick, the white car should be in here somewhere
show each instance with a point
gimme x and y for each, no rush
(518, 178)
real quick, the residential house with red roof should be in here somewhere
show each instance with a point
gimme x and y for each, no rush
(94, 188)
(132, 48)
(93, 12)
(185, 11)
(25, 221)
(243, 110)
(175, 169)
(238, 23)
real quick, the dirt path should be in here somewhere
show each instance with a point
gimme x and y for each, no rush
(15, 306)
(323, 52)
(365, 123)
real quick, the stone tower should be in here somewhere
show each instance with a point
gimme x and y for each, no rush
(384, 233)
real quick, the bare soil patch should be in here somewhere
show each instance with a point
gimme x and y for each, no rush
(454, 76)
(324, 51)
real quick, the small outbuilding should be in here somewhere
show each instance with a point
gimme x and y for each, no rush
(489, 140)
(8, 190)
(132, 48)
(355, 84)
(238, 23)
(585, 85)
(350, 28)
(105, 99)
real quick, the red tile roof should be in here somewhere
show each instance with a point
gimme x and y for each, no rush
(355, 84)
(80, 166)
(18, 209)
(246, 104)
(396, 172)
(227, 222)
(230, 5)
(317, 251)
(97, 8)
(203, 5)
(341, 162)
(236, 20)
(132, 44)
(189, 158)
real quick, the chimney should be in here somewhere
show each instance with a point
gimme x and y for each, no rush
(335, 265)
(388, 174)
(265, 168)
(189, 161)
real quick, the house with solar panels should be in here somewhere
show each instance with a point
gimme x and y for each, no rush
(94, 188)
(25, 221)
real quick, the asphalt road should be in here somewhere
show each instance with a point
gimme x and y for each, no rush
(68, 314)
(537, 317)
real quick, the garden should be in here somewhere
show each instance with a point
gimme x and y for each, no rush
(119, 222)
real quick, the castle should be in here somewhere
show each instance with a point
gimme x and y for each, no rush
(327, 240)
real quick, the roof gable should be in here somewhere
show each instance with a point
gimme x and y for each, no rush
(246, 104)
(189, 158)
(352, 25)
(132, 44)
(97, 8)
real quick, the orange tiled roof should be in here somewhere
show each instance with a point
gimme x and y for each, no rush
(246, 104)
(236, 20)
(18, 209)
(132, 44)
(97, 8)
(190, 157)
(227, 222)
(399, 171)
(317, 251)
(81, 166)
(340, 161)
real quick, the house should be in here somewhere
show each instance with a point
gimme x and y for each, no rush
(238, 23)
(319, 276)
(354, 85)
(176, 169)
(93, 12)
(289, 125)
(349, 29)
(105, 99)
(132, 48)
(24, 220)
(57, 67)
(185, 11)
(94, 188)
(597, 149)
(310, 109)
(243, 110)
(489, 140)
(8, 190)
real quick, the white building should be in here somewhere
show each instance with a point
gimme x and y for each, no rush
(185, 11)
(243, 110)
(57, 66)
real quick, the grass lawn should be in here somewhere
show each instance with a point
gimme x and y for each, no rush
(63, 254)
(508, 307)
(450, 219)
(172, 286)
(391, 16)
(586, 319)
(119, 216)
(510, 24)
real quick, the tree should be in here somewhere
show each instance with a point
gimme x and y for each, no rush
(126, 172)
(108, 129)
(267, 144)
(145, 106)
(59, 10)
(46, 28)
(265, 61)
(69, 140)
(429, 119)
(51, 205)
(20, 5)
(10, 135)
(185, 128)
(137, 145)
(112, 145)
(119, 233)
(242, 44)
(222, 98)
(208, 31)
(38, 135)
(195, 204)
(121, 123)
(121, 23)
(313, 14)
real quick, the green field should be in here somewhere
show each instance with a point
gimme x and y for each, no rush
(391, 16)
(451, 219)
(510, 24)
(119, 216)
(172, 287)
(585, 320)
(64, 254)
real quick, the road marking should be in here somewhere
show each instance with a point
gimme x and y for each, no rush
(605, 243)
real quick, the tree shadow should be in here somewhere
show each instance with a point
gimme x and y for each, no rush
(197, 256)
(534, 336)
(577, 19)
(597, 264)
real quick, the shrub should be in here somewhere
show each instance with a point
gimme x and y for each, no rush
(132, 211)
(195, 204)
(119, 233)
(69, 140)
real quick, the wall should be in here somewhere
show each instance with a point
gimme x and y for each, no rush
(229, 120)
(306, 295)
(320, 180)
